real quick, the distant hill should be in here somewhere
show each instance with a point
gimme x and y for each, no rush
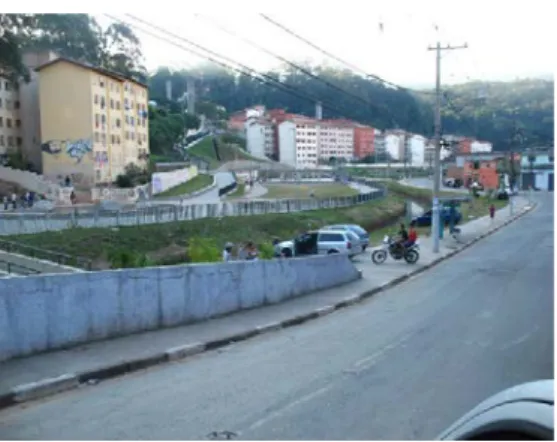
(489, 111)
(484, 110)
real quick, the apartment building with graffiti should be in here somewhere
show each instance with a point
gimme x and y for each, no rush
(93, 123)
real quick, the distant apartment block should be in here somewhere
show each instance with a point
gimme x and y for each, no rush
(93, 123)
(364, 141)
(301, 141)
(260, 137)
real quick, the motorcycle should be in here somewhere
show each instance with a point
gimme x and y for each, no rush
(391, 247)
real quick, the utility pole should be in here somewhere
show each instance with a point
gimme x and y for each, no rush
(435, 221)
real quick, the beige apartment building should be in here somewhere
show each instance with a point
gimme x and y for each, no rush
(93, 123)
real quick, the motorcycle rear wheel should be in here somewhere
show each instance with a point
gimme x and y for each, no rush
(379, 256)
(411, 256)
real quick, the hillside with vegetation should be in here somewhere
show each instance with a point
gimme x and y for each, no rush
(492, 111)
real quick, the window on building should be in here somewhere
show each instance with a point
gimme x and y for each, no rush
(0, 103)
(17, 123)
(96, 99)
(9, 104)
(103, 119)
(7, 86)
(19, 142)
(143, 122)
(2, 140)
(118, 122)
(97, 174)
(8, 122)
(103, 138)
(17, 104)
(97, 137)
(1, 122)
(111, 103)
(101, 82)
(118, 139)
(97, 120)
(118, 105)
(113, 139)
(10, 141)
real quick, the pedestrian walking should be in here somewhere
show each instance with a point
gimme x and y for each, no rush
(227, 252)
(6, 202)
(14, 201)
(492, 213)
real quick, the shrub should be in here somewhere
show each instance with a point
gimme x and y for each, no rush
(203, 250)
(266, 251)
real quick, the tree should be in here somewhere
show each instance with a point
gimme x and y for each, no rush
(76, 36)
(120, 51)
(14, 30)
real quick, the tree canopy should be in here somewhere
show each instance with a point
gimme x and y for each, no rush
(76, 36)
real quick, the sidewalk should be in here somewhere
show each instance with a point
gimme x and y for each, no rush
(49, 373)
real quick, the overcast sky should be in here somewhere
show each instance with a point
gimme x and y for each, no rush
(388, 38)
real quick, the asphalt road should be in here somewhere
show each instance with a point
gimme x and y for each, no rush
(403, 365)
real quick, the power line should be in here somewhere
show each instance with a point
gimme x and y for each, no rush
(296, 66)
(267, 80)
(334, 57)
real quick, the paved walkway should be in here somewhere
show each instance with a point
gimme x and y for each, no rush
(98, 355)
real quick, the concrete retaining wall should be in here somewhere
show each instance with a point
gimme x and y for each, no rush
(21, 223)
(40, 313)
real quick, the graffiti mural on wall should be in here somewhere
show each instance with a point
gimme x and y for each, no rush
(101, 159)
(75, 149)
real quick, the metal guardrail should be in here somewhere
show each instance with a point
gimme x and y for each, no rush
(16, 269)
(48, 255)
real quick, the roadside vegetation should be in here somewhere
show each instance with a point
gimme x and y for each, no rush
(196, 183)
(202, 240)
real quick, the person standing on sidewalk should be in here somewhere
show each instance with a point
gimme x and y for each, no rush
(492, 213)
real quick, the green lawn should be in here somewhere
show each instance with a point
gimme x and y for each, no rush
(197, 183)
(165, 243)
(304, 190)
(238, 192)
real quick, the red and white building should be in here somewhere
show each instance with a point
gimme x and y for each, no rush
(301, 141)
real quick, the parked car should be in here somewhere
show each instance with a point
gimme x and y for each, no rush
(322, 242)
(354, 228)
(424, 220)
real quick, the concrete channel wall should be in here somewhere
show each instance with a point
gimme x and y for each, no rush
(40, 313)
(22, 223)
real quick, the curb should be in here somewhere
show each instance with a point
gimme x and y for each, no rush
(51, 386)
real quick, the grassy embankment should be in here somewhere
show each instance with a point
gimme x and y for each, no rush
(160, 244)
(228, 152)
(196, 183)
(238, 192)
